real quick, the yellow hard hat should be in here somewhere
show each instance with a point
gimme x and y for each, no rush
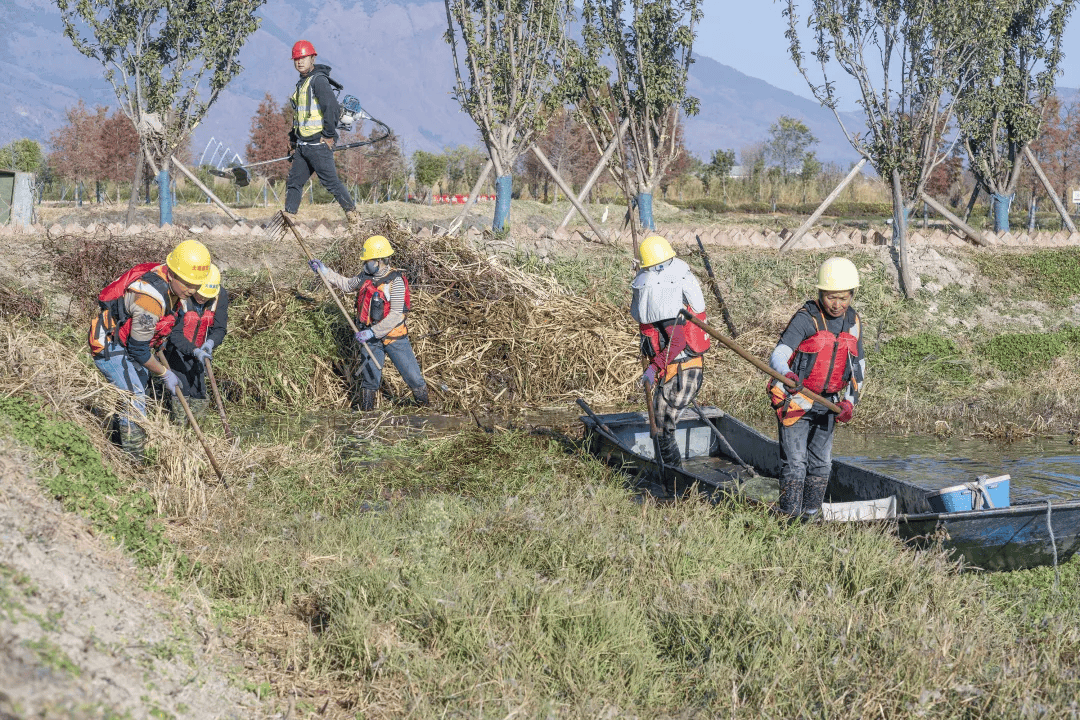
(212, 284)
(655, 250)
(376, 247)
(190, 261)
(836, 274)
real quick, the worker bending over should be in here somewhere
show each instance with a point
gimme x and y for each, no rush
(136, 315)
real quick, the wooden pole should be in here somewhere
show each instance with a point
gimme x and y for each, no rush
(217, 400)
(194, 424)
(1049, 189)
(762, 366)
(198, 183)
(963, 226)
(472, 198)
(654, 429)
(597, 171)
(716, 290)
(568, 191)
(329, 287)
(794, 238)
(900, 218)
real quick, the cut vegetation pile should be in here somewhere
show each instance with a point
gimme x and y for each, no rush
(486, 333)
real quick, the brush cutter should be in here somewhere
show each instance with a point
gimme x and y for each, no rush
(276, 231)
(351, 112)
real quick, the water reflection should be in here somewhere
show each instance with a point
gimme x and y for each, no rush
(1040, 467)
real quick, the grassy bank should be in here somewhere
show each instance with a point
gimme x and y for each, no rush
(371, 570)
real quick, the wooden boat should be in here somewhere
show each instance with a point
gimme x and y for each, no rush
(1023, 535)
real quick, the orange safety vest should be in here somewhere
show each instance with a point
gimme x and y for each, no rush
(656, 336)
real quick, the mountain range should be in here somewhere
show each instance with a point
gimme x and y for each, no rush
(390, 54)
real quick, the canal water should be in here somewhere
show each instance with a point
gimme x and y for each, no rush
(1040, 467)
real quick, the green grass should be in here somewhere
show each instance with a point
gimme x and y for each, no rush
(924, 359)
(83, 483)
(1048, 275)
(1021, 354)
(514, 572)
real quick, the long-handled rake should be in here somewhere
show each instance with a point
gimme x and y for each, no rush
(276, 231)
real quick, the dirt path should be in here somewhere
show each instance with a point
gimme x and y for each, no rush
(80, 637)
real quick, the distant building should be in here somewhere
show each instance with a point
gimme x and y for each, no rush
(739, 171)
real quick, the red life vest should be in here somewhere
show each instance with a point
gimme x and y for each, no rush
(113, 319)
(372, 301)
(196, 325)
(822, 361)
(829, 355)
(656, 336)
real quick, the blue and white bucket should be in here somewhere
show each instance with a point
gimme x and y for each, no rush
(983, 494)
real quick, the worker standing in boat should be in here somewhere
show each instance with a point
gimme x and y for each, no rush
(662, 289)
(383, 301)
(820, 350)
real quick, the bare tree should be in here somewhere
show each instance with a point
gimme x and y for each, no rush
(910, 59)
(511, 51)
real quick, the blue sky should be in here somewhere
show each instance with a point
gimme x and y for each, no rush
(748, 35)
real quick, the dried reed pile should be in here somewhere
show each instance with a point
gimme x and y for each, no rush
(488, 334)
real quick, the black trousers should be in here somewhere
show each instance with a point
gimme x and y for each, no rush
(317, 158)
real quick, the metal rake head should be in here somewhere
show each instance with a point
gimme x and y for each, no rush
(277, 228)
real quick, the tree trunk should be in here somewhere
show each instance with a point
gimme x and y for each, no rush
(136, 186)
(900, 227)
(971, 202)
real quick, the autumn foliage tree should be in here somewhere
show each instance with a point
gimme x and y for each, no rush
(569, 146)
(269, 137)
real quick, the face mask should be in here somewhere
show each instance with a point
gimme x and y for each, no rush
(371, 267)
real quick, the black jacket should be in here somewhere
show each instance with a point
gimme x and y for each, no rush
(322, 87)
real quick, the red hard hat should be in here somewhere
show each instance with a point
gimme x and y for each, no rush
(302, 49)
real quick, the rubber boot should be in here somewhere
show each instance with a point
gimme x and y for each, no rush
(421, 396)
(352, 217)
(367, 400)
(791, 497)
(291, 216)
(133, 441)
(813, 496)
(669, 450)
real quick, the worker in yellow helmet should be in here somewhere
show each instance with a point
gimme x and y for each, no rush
(136, 314)
(820, 350)
(201, 323)
(662, 290)
(383, 302)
